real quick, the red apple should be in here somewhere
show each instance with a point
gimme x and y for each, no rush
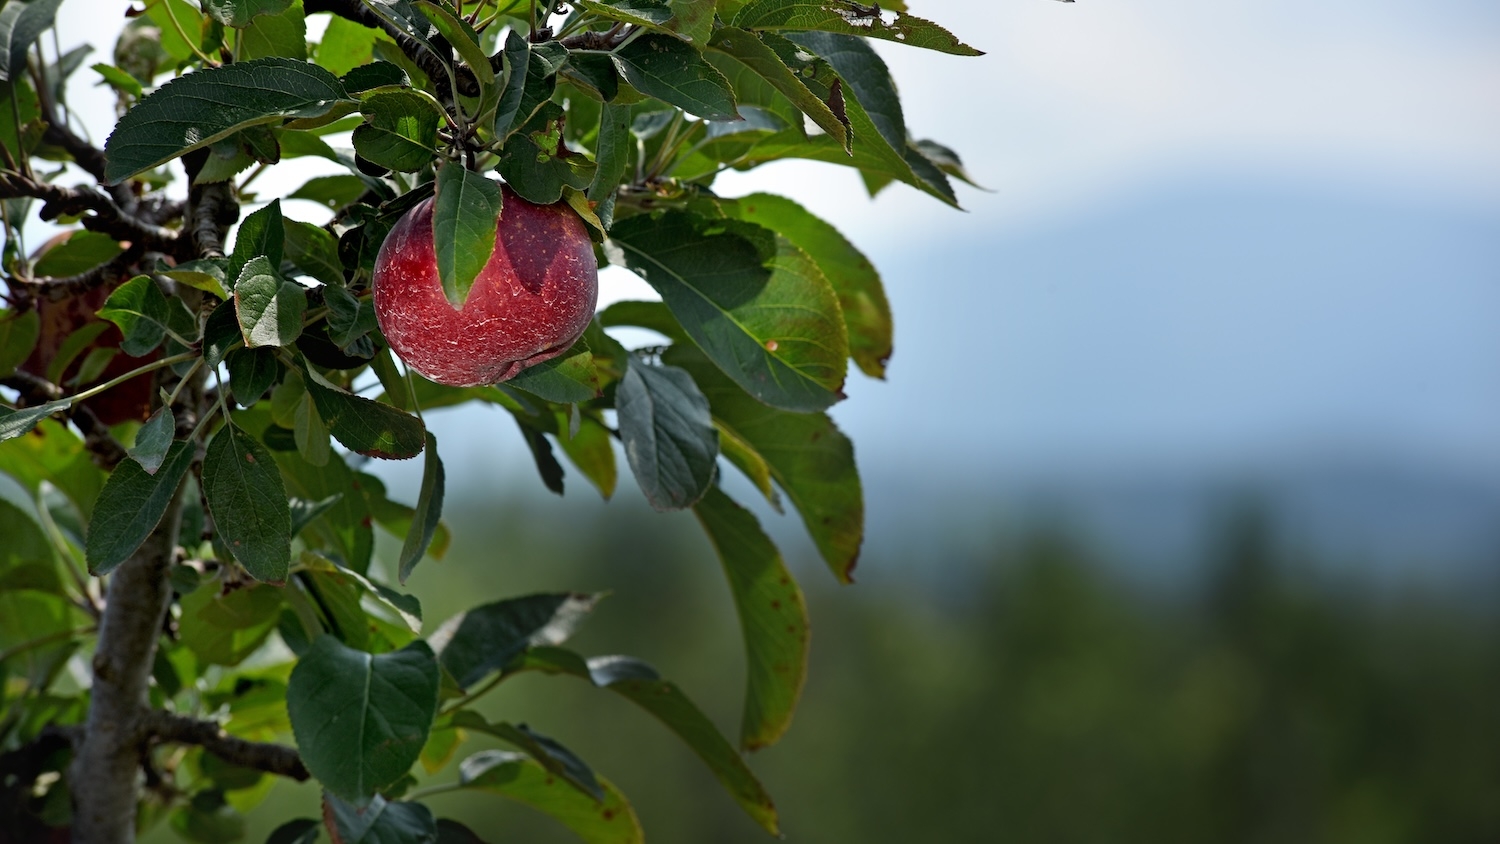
(531, 301)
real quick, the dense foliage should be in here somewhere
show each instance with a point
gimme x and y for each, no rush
(186, 503)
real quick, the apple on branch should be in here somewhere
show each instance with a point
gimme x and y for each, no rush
(475, 284)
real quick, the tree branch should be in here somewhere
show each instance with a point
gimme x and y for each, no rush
(106, 766)
(262, 756)
(108, 218)
(431, 64)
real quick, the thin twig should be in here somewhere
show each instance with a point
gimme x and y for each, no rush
(261, 756)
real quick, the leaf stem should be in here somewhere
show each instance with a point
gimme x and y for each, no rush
(140, 370)
(474, 695)
(45, 640)
(432, 790)
(172, 399)
(177, 25)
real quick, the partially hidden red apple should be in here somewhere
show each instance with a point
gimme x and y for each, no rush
(530, 303)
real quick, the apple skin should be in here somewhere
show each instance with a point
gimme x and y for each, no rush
(530, 303)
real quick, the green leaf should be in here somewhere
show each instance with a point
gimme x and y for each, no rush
(18, 336)
(809, 457)
(379, 821)
(154, 439)
(269, 308)
(401, 132)
(81, 252)
(251, 373)
(472, 644)
(591, 449)
(519, 72)
(611, 821)
(753, 53)
(773, 617)
(465, 211)
(548, 752)
(118, 79)
(207, 105)
(345, 45)
(568, 378)
(669, 438)
(144, 315)
(221, 334)
(360, 720)
(310, 434)
(536, 162)
(249, 503)
(848, 18)
(205, 274)
(331, 191)
(749, 461)
(675, 72)
(349, 317)
(21, 23)
(224, 626)
(130, 506)
(262, 233)
(300, 830)
(466, 41)
(365, 426)
(867, 314)
(314, 251)
(541, 451)
(690, 20)
(756, 304)
(238, 13)
(429, 510)
(639, 683)
(280, 34)
(612, 153)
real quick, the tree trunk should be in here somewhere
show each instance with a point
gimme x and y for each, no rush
(107, 764)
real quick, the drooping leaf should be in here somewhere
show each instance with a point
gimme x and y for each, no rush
(690, 20)
(639, 683)
(753, 53)
(262, 233)
(154, 439)
(269, 307)
(428, 511)
(465, 211)
(379, 821)
(366, 426)
(867, 314)
(756, 304)
(541, 452)
(484, 639)
(591, 449)
(675, 72)
(207, 105)
(548, 752)
(849, 18)
(21, 23)
(773, 617)
(310, 434)
(808, 455)
(349, 317)
(221, 334)
(130, 506)
(360, 719)
(400, 132)
(251, 373)
(206, 274)
(669, 438)
(612, 821)
(249, 503)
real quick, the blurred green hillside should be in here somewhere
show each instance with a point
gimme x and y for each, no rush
(1046, 699)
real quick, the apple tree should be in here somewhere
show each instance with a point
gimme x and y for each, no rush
(187, 417)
